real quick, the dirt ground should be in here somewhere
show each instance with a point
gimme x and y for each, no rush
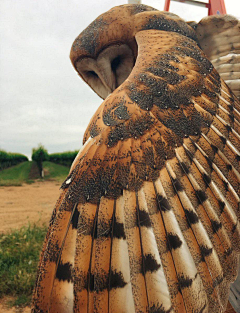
(27, 204)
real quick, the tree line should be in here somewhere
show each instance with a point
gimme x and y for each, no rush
(39, 155)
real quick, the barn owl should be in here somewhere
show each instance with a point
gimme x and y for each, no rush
(147, 220)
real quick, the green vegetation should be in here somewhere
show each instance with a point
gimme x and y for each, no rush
(27, 172)
(45, 166)
(55, 171)
(8, 159)
(19, 256)
(39, 155)
(64, 158)
(16, 175)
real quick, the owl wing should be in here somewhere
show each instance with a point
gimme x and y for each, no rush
(148, 217)
(219, 37)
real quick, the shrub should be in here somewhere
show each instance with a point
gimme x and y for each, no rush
(8, 159)
(39, 155)
(64, 158)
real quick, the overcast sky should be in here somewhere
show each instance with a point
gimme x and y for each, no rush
(42, 98)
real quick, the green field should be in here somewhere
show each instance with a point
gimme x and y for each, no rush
(55, 171)
(15, 175)
(19, 256)
(27, 172)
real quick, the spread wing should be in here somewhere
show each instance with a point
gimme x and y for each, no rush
(219, 37)
(148, 216)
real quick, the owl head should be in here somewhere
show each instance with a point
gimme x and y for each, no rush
(104, 54)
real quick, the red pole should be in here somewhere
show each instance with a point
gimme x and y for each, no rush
(217, 7)
(166, 5)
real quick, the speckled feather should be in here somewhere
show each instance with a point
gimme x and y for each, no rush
(148, 219)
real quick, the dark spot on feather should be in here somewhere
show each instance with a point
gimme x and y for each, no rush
(229, 167)
(94, 130)
(64, 272)
(160, 22)
(238, 158)
(174, 241)
(185, 168)
(100, 281)
(225, 184)
(171, 77)
(217, 281)
(207, 178)
(108, 118)
(163, 203)
(191, 217)
(210, 162)
(143, 98)
(182, 126)
(221, 205)
(144, 218)
(95, 230)
(201, 195)
(212, 95)
(229, 251)
(118, 231)
(177, 184)
(215, 149)
(223, 139)
(139, 8)
(216, 225)
(134, 129)
(150, 264)
(89, 38)
(116, 280)
(234, 227)
(75, 219)
(205, 250)
(91, 281)
(122, 113)
(230, 107)
(184, 281)
(229, 128)
(231, 116)
(159, 309)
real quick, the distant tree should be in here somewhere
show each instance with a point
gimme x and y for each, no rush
(39, 155)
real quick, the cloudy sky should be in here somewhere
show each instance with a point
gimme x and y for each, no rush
(42, 98)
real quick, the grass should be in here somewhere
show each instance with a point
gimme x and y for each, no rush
(27, 172)
(55, 171)
(15, 175)
(19, 255)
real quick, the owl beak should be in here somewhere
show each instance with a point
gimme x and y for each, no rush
(109, 81)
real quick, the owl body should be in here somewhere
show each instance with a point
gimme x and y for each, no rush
(148, 217)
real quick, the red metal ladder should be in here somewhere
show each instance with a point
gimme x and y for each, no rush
(214, 6)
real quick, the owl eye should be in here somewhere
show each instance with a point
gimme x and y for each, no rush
(115, 63)
(92, 74)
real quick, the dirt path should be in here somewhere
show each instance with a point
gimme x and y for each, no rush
(28, 203)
